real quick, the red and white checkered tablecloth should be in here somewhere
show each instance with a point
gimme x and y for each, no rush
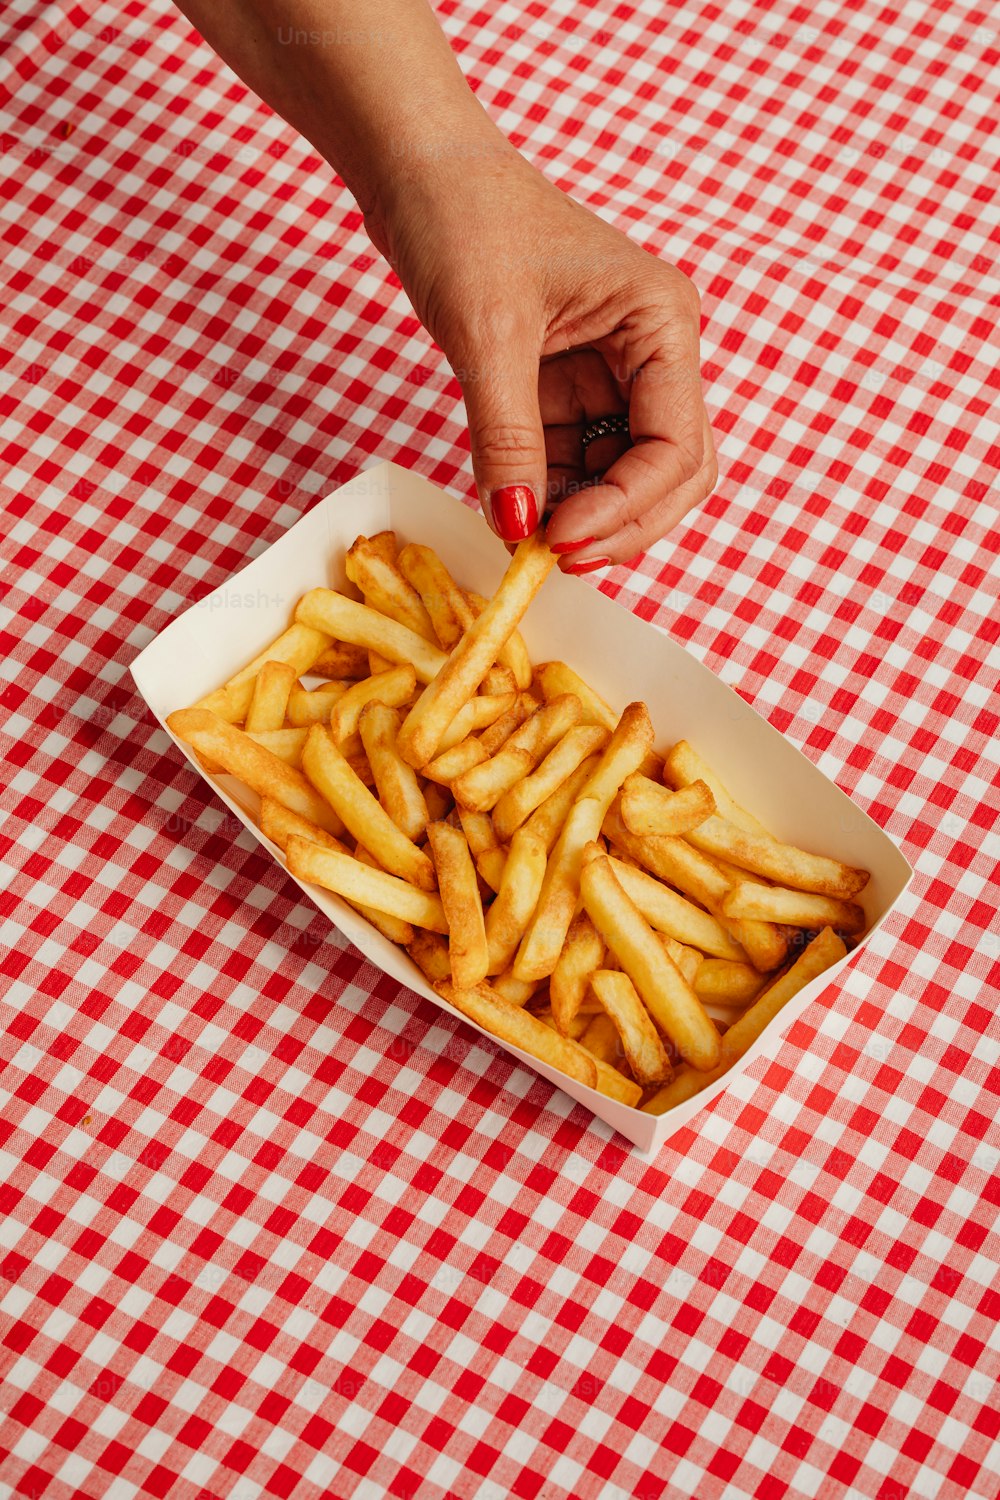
(271, 1225)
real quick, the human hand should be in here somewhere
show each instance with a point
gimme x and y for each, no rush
(550, 319)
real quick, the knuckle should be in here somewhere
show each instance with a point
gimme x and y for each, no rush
(506, 440)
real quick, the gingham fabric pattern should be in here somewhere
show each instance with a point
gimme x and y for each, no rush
(272, 1226)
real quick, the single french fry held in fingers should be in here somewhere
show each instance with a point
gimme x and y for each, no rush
(456, 681)
(824, 950)
(393, 688)
(509, 914)
(581, 954)
(348, 620)
(364, 885)
(665, 992)
(773, 903)
(308, 706)
(459, 889)
(520, 800)
(519, 1027)
(783, 863)
(261, 770)
(513, 654)
(647, 807)
(362, 813)
(385, 587)
(395, 781)
(299, 646)
(647, 1056)
(269, 700)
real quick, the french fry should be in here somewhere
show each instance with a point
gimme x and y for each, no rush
(498, 733)
(478, 714)
(581, 954)
(391, 927)
(429, 952)
(646, 1054)
(687, 961)
(323, 609)
(514, 653)
(306, 707)
(539, 950)
(447, 767)
(720, 981)
(441, 597)
(520, 800)
(556, 678)
(385, 587)
(393, 688)
(824, 950)
(783, 863)
(364, 885)
(674, 915)
(696, 875)
(490, 865)
(438, 798)
(666, 994)
(342, 661)
(601, 1038)
(498, 682)
(396, 782)
(298, 646)
(456, 681)
(269, 700)
(682, 766)
(512, 989)
(279, 824)
(773, 903)
(286, 744)
(647, 807)
(362, 814)
(521, 1029)
(510, 913)
(547, 821)
(614, 1084)
(484, 785)
(261, 770)
(463, 908)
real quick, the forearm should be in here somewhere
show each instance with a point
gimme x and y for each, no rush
(373, 84)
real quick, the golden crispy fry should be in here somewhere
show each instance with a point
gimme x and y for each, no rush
(270, 697)
(441, 597)
(581, 954)
(601, 1037)
(393, 688)
(647, 807)
(498, 682)
(279, 825)
(450, 764)
(479, 713)
(683, 766)
(286, 744)
(665, 992)
(484, 785)
(364, 885)
(719, 981)
(824, 950)
(259, 768)
(520, 800)
(775, 903)
(514, 653)
(429, 952)
(521, 1029)
(539, 951)
(512, 989)
(342, 661)
(673, 915)
(614, 1084)
(391, 927)
(556, 678)
(523, 873)
(675, 860)
(478, 829)
(646, 1054)
(307, 707)
(299, 646)
(490, 865)
(363, 815)
(438, 798)
(386, 589)
(475, 653)
(547, 821)
(396, 782)
(497, 734)
(783, 863)
(460, 897)
(357, 623)
(686, 960)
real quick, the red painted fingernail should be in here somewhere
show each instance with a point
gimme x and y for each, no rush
(571, 546)
(514, 510)
(589, 565)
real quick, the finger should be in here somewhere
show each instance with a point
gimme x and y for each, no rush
(507, 439)
(636, 536)
(667, 423)
(577, 386)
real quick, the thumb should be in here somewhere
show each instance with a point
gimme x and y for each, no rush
(508, 442)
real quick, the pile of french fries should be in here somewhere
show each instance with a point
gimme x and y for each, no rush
(613, 913)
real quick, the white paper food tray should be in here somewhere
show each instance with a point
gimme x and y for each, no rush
(624, 658)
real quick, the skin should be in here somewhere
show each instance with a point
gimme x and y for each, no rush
(548, 316)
